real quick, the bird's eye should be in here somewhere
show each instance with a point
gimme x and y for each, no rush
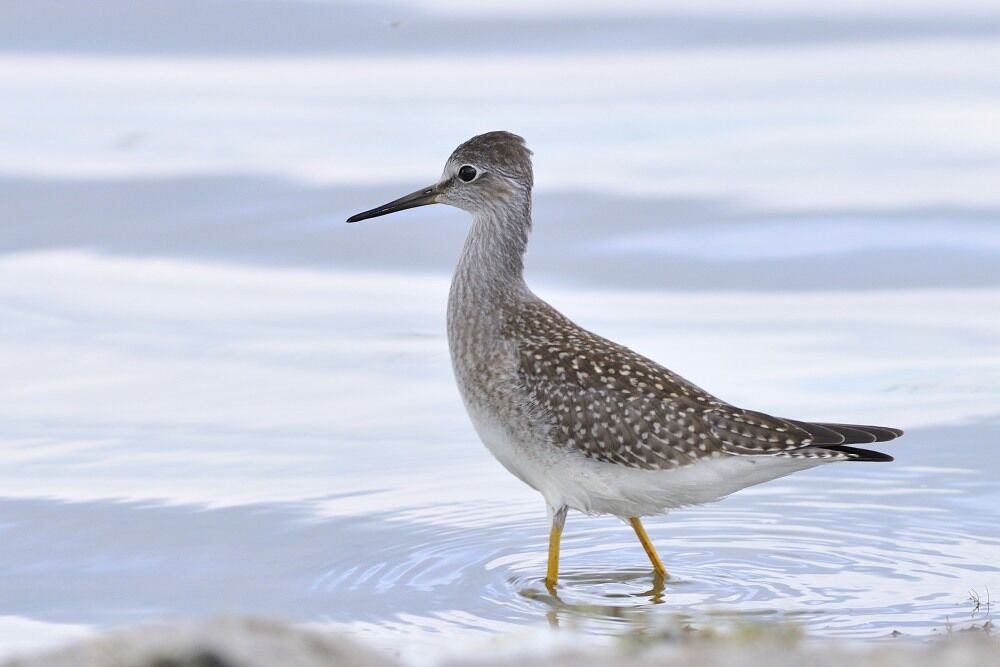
(467, 173)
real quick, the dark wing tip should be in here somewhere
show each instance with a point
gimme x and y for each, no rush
(858, 454)
(860, 433)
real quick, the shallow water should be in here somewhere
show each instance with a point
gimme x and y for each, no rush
(190, 437)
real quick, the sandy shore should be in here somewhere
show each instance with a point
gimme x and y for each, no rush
(246, 642)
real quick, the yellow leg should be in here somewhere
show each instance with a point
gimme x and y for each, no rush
(555, 533)
(654, 557)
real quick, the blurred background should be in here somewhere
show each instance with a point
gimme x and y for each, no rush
(218, 397)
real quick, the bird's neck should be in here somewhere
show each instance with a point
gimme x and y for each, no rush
(491, 268)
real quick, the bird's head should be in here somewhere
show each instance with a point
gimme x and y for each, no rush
(487, 172)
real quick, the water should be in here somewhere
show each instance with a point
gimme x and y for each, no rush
(190, 437)
(216, 397)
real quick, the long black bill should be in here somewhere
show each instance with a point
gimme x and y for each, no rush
(412, 200)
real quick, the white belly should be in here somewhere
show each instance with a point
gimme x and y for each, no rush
(568, 477)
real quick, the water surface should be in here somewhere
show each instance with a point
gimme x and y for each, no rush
(185, 438)
(216, 397)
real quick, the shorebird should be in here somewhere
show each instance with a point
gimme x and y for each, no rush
(586, 422)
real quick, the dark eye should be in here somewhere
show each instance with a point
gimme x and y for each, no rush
(467, 173)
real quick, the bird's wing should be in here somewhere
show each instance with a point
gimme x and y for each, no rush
(753, 433)
(617, 406)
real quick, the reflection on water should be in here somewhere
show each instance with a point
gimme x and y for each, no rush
(290, 443)
(860, 553)
(856, 552)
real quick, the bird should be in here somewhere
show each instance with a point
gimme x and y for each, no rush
(588, 423)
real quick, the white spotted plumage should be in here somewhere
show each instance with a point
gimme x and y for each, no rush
(587, 422)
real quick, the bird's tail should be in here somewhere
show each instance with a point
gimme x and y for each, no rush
(839, 437)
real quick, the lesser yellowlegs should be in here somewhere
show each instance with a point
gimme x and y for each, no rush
(588, 423)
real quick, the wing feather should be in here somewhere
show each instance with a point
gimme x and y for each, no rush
(617, 406)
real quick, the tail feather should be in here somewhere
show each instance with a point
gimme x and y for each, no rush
(838, 437)
(820, 434)
(749, 433)
(875, 433)
(858, 454)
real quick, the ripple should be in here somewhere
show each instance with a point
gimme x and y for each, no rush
(828, 556)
